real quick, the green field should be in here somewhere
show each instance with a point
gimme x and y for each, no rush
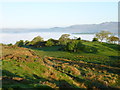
(50, 67)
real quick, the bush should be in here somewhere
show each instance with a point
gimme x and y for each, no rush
(10, 44)
(64, 39)
(75, 46)
(95, 39)
(36, 40)
(79, 38)
(49, 43)
(20, 43)
(27, 42)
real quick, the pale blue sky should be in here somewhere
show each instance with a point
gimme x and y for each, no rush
(53, 14)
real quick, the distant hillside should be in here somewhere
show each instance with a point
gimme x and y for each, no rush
(93, 28)
(83, 28)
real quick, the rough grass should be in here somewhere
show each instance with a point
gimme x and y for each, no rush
(107, 53)
(50, 68)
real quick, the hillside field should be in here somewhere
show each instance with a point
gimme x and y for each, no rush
(50, 67)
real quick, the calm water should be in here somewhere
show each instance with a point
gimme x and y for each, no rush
(7, 38)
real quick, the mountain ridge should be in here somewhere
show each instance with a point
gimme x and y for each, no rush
(79, 28)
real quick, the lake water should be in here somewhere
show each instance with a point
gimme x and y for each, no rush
(7, 38)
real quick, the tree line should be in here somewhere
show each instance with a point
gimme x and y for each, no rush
(67, 44)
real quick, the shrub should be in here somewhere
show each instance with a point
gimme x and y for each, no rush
(10, 44)
(49, 43)
(20, 43)
(75, 46)
(36, 40)
(64, 39)
(79, 38)
(95, 39)
(27, 42)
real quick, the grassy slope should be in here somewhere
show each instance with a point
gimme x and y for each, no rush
(107, 53)
(48, 67)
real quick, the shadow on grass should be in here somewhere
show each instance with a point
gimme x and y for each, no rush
(92, 84)
(50, 48)
(115, 57)
(112, 46)
(10, 80)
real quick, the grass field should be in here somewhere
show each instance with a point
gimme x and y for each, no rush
(48, 67)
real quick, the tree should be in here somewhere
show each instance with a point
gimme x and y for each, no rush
(95, 39)
(49, 42)
(10, 44)
(75, 46)
(36, 40)
(103, 35)
(113, 39)
(19, 43)
(27, 42)
(79, 38)
(64, 39)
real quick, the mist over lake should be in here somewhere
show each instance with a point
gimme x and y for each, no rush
(7, 38)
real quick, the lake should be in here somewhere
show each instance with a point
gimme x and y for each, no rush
(7, 38)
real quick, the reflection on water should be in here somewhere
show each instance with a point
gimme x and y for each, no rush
(13, 37)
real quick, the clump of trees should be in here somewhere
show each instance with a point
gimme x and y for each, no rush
(113, 39)
(103, 35)
(106, 35)
(75, 46)
(35, 42)
(67, 44)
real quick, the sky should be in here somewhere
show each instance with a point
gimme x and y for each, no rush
(55, 14)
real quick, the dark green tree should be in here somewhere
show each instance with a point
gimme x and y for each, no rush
(79, 38)
(50, 42)
(36, 40)
(95, 39)
(75, 46)
(27, 42)
(10, 44)
(64, 39)
(19, 43)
